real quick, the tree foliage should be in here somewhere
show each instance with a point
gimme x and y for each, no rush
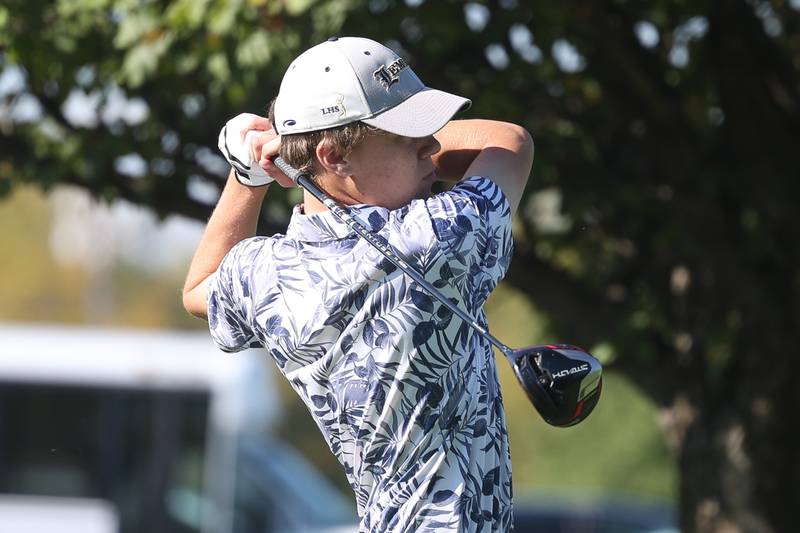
(658, 227)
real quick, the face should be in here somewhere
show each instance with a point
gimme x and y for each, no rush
(390, 171)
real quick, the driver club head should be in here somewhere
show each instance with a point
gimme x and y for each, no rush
(561, 380)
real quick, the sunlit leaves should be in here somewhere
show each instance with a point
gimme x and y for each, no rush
(187, 14)
(296, 7)
(222, 16)
(140, 25)
(142, 60)
(218, 66)
(3, 18)
(254, 51)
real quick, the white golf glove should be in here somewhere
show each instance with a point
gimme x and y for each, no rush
(237, 152)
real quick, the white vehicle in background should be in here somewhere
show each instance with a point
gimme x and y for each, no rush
(115, 431)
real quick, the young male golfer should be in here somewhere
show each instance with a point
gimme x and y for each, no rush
(405, 394)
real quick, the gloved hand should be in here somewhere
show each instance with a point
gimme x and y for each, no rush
(238, 153)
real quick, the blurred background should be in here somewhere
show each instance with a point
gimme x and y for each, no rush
(658, 231)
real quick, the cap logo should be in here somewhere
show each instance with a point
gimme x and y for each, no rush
(337, 109)
(389, 74)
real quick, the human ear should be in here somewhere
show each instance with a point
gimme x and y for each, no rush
(331, 160)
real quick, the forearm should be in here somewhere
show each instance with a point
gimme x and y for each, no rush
(463, 140)
(234, 219)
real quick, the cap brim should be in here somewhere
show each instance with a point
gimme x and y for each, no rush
(421, 114)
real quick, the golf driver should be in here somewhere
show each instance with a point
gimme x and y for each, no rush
(563, 382)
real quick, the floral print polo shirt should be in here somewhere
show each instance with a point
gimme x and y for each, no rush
(405, 393)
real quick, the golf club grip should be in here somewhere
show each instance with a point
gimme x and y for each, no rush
(343, 214)
(292, 173)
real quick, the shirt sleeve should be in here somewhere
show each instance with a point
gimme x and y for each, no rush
(473, 223)
(229, 297)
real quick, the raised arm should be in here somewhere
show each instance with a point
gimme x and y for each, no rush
(233, 220)
(236, 216)
(499, 151)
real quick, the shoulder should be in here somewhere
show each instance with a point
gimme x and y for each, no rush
(248, 259)
(472, 203)
(464, 221)
(483, 192)
(249, 249)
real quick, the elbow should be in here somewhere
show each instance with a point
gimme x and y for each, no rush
(515, 138)
(194, 304)
(523, 141)
(187, 303)
(522, 144)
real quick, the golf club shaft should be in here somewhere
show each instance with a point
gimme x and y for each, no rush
(343, 213)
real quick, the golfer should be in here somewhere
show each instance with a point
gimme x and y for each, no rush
(405, 394)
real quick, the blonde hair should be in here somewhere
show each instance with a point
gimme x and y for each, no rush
(300, 149)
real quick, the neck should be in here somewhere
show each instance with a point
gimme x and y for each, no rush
(311, 205)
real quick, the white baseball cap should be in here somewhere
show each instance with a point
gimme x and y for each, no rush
(347, 79)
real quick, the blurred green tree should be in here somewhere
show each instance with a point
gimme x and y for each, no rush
(658, 228)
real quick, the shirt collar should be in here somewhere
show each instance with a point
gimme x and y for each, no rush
(325, 226)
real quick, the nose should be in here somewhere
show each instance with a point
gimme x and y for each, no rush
(429, 147)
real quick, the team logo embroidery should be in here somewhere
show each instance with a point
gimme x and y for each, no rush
(387, 75)
(338, 108)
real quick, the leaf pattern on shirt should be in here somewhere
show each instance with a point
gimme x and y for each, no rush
(405, 394)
